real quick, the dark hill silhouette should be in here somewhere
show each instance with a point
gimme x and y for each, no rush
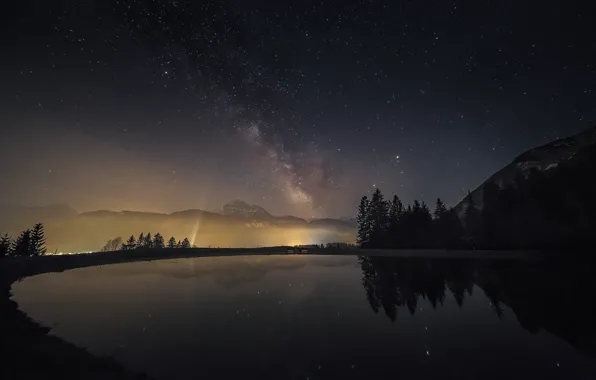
(545, 159)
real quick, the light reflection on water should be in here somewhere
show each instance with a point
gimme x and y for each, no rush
(293, 317)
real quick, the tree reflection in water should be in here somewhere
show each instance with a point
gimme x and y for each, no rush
(558, 297)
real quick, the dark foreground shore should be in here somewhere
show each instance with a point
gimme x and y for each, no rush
(29, 352)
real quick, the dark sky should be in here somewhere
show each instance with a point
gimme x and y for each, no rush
(299, 106)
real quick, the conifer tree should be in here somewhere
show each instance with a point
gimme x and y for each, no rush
(5, 245)
(416, 207)
(440, 230)
(364, 225)
(22, 245)
(425, 212)
(130, 244)
(379, 218)
(396, 213)
(425, 228)
(141, 240)
(148, 242)
(440, 209)
(185, 243)
(395, 210)
(38, 240)
(158, 241)
(172, 243)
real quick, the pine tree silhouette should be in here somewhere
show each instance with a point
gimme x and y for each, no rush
(38, 240)
(426, 225)
(440, 228)
(141, 240)
(172, 243)
(364, 225)
(440, 209)
(416, 226)
(396, 213)
(131, 243)
(395, 210)
(5, 245)
(379, 219)
(147, 241)
(158, 241)
(185, 243)
(416, 206)
(22, 245)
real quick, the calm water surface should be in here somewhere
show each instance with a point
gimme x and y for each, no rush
(324, 317)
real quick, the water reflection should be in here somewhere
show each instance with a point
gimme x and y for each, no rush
(299, 317)
(558, 297)
(390, 283)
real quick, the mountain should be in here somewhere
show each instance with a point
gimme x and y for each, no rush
(333, 223)
(545, 158)
(237, 225)
(544, 199)
(243, 209)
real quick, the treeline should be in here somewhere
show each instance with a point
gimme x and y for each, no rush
(389, 224)
(337, 245)
(553, 209)
(30, 242)
(144, 241)
(330, 245)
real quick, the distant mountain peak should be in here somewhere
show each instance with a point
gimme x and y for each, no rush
(240, 208)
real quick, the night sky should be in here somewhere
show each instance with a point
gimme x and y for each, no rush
(299, 106)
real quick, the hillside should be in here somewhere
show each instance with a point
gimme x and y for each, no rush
(545, 199)
(545, 158)
(238, 225)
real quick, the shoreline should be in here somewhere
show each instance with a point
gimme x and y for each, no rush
(32, 353)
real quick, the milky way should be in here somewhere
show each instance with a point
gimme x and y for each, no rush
(299, 106)
(302, 176)
(249, 96)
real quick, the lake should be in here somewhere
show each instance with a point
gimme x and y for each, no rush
(327, 317)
